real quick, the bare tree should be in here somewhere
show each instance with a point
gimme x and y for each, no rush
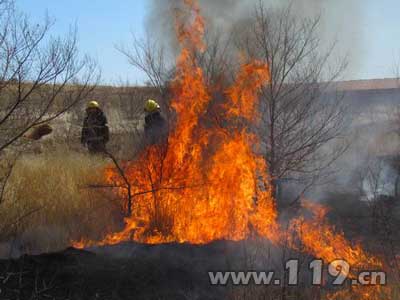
(216, 59)
(151, 58)
(302, 115)
(41, 77)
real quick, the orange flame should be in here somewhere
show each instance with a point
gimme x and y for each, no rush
(243, 93)
(322, 240)
(208, 183)
(185, 188)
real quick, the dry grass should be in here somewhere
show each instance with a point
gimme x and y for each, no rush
(47, 202)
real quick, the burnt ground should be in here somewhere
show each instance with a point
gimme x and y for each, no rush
(137, 271)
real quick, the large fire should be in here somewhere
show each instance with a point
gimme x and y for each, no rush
(204, 184)
(208, 182)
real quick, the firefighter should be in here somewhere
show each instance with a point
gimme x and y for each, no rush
(155, 127)
(95, 132)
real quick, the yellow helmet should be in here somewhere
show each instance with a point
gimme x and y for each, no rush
(93, 104)
(151, 105)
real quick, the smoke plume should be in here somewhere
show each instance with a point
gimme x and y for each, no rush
(341, 22)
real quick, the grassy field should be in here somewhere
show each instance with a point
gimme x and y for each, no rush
(47, 201)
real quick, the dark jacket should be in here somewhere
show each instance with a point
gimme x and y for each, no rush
(155, 128)
(95, 129)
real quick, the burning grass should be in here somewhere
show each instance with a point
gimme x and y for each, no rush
(208, 182)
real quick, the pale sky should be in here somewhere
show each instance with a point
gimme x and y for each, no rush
(103, 24)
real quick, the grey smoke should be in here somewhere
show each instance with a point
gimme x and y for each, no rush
(341, 22)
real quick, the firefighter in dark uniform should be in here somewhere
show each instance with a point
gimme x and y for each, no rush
(155, 127)
(95, 132)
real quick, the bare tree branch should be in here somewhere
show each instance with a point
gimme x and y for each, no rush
(302, 116)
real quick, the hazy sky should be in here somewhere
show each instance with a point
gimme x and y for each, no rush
(103, 23)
